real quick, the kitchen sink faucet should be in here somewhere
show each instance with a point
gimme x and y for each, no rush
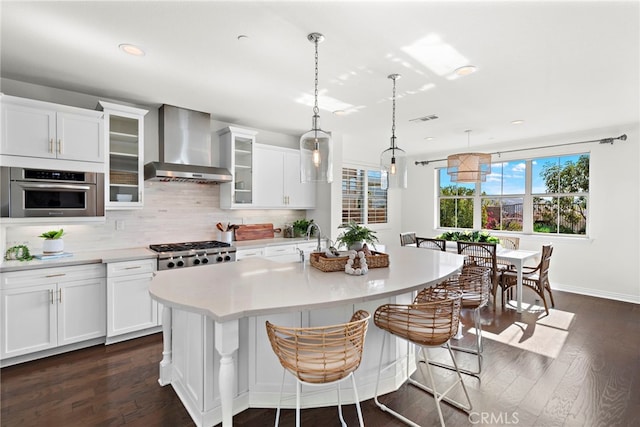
(309, 229)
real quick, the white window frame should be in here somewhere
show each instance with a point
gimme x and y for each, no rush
(527, 214)
(366, 169)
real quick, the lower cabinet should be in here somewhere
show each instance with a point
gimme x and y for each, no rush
(46, 308)
(130, 308)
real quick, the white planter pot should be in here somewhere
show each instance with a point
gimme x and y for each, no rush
(52, 246)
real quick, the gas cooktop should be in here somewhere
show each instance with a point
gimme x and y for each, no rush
(191, 254)
(188, 246)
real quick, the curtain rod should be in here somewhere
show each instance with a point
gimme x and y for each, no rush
(622, 137)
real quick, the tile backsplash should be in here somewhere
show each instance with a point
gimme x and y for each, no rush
(173, 212)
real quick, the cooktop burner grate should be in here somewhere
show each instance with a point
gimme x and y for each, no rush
(186, 246)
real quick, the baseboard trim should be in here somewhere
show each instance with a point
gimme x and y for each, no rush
(635, 299)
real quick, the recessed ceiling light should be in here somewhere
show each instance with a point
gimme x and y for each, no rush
(465, 71)
(517, 122)
(132, 49)
(429, 138)
(340, 113)
(242, 37)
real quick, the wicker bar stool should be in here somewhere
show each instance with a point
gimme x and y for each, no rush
(475, 285)
(320, 356)
(430, 323)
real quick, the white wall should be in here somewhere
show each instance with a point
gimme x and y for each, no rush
(607, 263)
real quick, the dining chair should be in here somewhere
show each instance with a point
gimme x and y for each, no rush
(429, 323)
(475, 285)
(320, 356)
(511, 243)
(482, 254)
(431, 243)
(535, 278)
(408, 238)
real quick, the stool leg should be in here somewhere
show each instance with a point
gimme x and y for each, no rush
(436, 396)
(298, 392)
(355, 395)
(344, 424)
(284, 371)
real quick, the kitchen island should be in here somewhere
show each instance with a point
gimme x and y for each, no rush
(216, 354)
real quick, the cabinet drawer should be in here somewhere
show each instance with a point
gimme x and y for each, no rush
(249, 253)
(40, 276)
(279, 250)
(127, 268)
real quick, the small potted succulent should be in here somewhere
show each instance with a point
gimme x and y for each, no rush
(356, 235)
(53, 243)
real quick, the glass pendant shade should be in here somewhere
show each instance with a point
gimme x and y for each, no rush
(316, 150)
(393, 164)
(393, 160)
(469, 167)
(315, 155)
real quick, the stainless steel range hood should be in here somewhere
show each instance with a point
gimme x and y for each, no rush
(185, 148)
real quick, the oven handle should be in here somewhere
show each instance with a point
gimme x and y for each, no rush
(55, 186)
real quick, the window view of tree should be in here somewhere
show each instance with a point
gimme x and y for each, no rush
(456, 203)
(566, 178)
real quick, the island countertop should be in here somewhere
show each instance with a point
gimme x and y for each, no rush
(256, 286)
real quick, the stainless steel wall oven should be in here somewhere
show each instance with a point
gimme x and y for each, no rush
(30, 193)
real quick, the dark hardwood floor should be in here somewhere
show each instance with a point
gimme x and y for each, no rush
(579, 366)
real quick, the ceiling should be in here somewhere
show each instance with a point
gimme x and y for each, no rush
(561, 67)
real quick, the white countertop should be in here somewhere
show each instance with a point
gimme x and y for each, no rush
(258, 286)
(85, 257)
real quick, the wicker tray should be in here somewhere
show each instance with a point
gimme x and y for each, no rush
(128, 178)
(326, 264)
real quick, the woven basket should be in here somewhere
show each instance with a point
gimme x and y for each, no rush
(129, 178)
(326, 264)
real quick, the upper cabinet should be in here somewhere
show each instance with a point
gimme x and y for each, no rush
(277, 179)
(236, 154)
(43, 130)
(124, 178)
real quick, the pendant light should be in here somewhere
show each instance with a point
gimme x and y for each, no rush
(393, 160)
(316, 145)
(469, 167)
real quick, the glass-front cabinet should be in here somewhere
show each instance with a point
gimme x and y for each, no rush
(124, 178)
(236, 154)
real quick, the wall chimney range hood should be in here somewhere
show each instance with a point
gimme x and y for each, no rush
(185, 149)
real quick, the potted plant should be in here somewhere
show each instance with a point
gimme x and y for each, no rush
(300, 227)
(355, 235)
(53, 243)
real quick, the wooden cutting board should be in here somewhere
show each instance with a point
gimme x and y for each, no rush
(254, 232)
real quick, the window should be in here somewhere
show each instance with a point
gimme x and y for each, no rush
(542, 195)
(363, 199)
(502, 196)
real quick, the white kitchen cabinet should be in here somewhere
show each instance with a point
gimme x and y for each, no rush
(124, 133)
(46, 308)
(249, 253)
(236, 154)
(277, 179)
(130, 308)
(51, 131)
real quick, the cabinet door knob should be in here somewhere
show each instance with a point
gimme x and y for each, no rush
(51, 295)
(60, 295)
(51, 145)
(59, 146)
